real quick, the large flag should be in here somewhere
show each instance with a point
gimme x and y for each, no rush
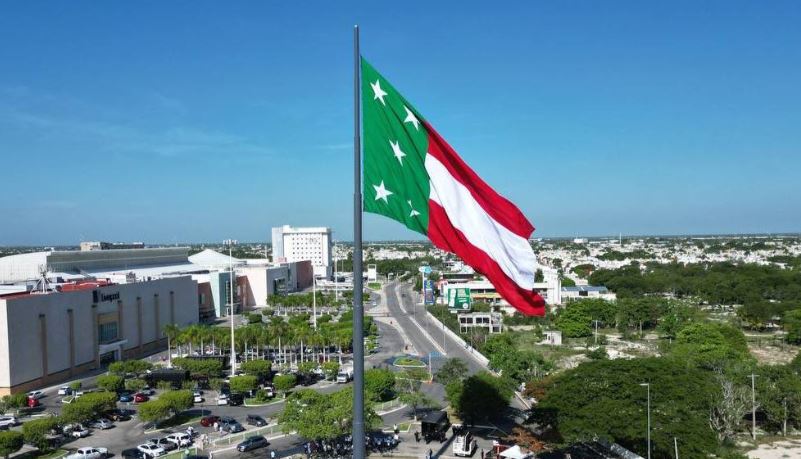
(413, 176)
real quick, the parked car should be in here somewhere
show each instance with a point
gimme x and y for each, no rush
(233, 427)
(65, 390)
(208, 421)
(140, 397)
(222, 399)
(236, 399)
(32, 402)
(88, 452)
(251, 443)
(76, 430)
(101, 424)
(126, 397)
(255, 420)
(147, 390)
(133, 453)
(180, 439)
(151, 450)
(8, 421)
(197, 397)
(165, 443)
(36, 394)
(118, 415)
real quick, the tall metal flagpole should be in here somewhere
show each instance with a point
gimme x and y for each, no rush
(358, 307)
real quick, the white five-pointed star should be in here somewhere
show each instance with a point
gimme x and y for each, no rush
(381, 192)
(413, 213)
(410, 118)
(397, 151)
(378, 93)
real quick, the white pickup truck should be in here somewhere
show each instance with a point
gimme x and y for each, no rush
(88, 452)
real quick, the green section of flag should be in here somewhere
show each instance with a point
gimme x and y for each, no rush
(396, 184)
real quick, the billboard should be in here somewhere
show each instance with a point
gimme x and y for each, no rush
(428, 291)
(459, 298)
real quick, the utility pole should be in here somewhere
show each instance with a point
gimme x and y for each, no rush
(676, 446)
(648, 432)
(230, 243)
(596, 332)
(753, 406)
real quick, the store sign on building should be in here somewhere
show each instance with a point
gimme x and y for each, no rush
(99, 297)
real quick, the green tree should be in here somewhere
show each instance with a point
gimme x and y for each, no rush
(130, 367)
(315, 415)
(480, 397)
(574, 322)
(36, 432)
(598, 354)
(284, 383)
(111, 383)
(605, 399)
(379, 384)
(409, 393)
(15, 401)
(244, 383)
(177, 400)
(259, 368)
(135, 384)
(792, 325)
(454, 369)
(330, 369)
(710, 345)
(154, 411)
(10, 443)
(208, 368)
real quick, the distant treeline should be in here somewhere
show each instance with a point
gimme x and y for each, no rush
(717, 283)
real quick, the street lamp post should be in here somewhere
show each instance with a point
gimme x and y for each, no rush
(648, 432)
(231, 243)
(596, 332)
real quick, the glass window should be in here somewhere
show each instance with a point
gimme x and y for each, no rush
(107, 332)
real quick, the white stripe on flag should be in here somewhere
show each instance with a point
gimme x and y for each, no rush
(512, 252)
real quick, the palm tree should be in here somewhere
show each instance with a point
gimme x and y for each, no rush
(171, 331)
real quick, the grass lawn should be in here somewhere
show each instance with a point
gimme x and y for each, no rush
(408, 362)
(36, 454)
(178, 453)
(374, 286)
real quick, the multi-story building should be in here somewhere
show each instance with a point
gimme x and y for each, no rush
(73, 327)
(292, 244)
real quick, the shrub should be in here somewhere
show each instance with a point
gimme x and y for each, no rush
(112, 383)
(10, 442)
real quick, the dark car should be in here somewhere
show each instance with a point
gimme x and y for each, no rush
(233, 427)
(251, 443)
(132, 453)
(254, 420)
(236, 399)
(118, 415)
(164, 443)
(208, 421)
(126, 397)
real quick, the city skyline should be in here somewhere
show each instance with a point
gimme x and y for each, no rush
(121, 123)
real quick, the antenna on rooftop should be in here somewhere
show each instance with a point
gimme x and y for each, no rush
(42, 285)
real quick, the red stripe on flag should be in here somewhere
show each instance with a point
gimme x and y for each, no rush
(445, 236)
(499, 208)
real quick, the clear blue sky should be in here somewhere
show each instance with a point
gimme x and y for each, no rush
(198, 121)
